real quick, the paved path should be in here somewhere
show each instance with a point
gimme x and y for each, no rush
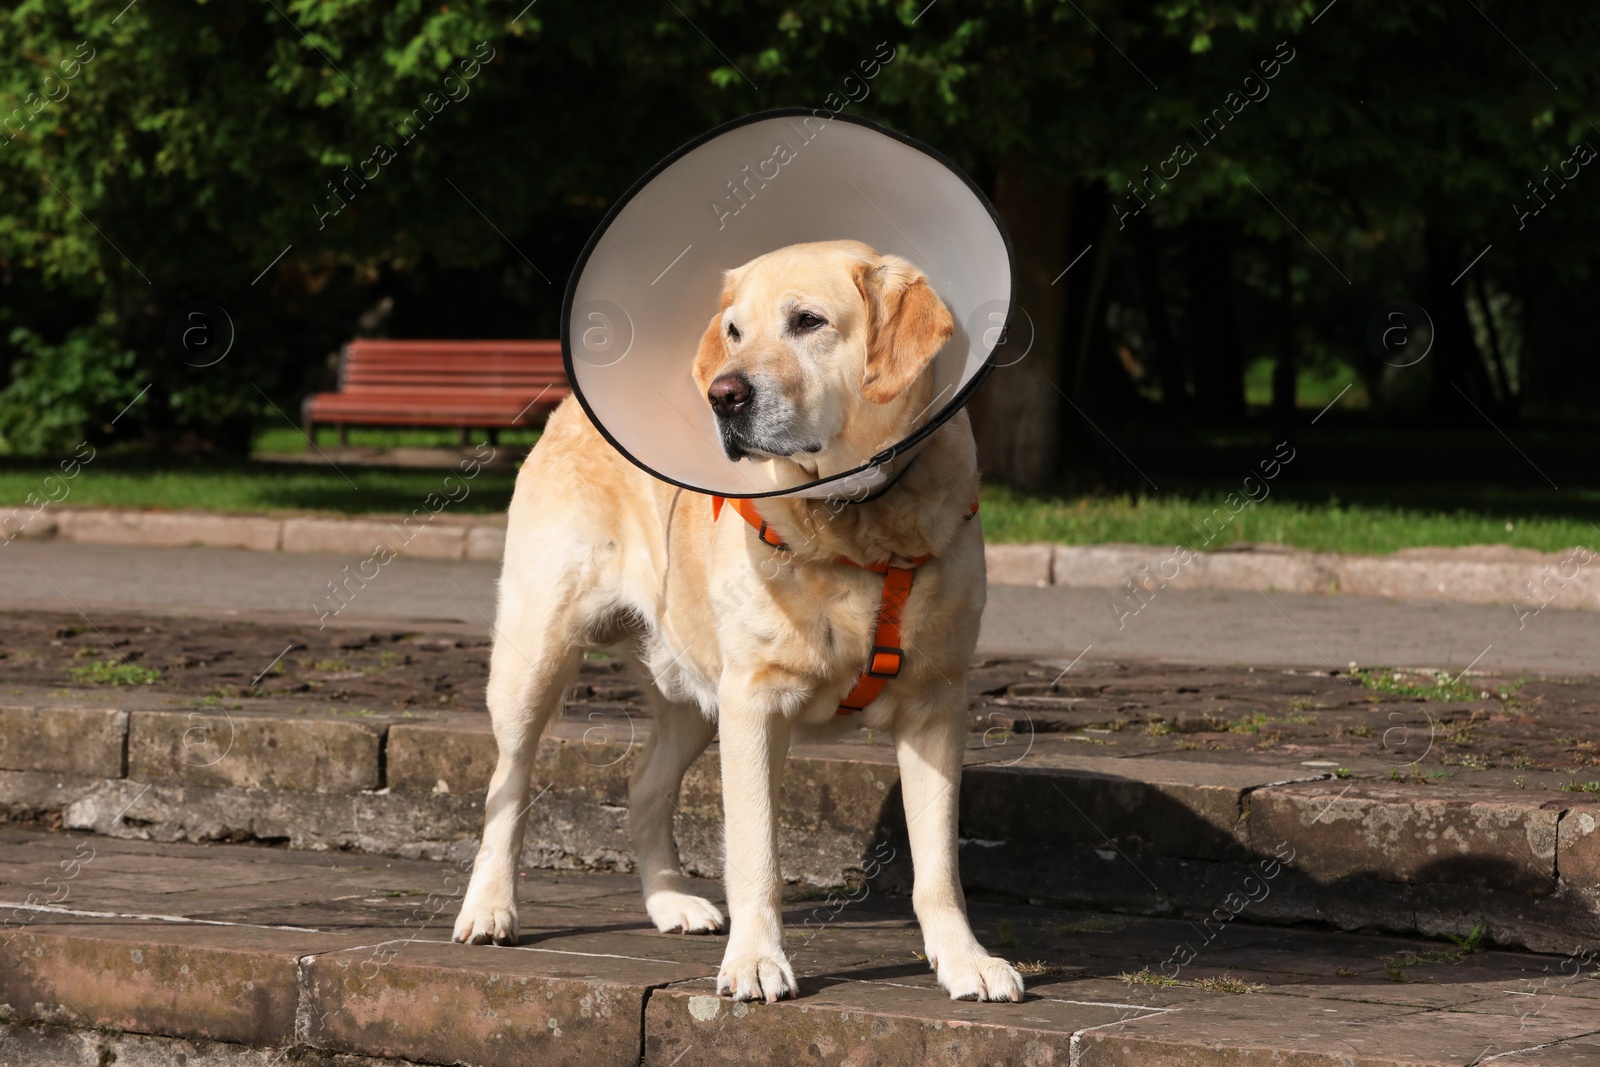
(1176, 626)
(158, 945)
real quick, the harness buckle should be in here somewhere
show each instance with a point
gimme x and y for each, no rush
(773, 540)
(879, 664)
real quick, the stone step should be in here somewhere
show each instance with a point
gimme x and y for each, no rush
(1054, 822)
(216, 955)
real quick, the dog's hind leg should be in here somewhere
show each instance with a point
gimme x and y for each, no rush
(679, 734)
(537, 653)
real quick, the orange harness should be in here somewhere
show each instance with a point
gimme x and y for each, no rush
(887, 657)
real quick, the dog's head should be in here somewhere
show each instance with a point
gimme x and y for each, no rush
(817, 354)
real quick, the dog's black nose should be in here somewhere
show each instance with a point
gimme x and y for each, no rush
(729, 394)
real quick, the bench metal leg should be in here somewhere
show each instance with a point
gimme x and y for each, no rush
(494, 437)
(344, 434)
(465, 437)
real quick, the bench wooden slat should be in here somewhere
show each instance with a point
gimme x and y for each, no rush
(391, 382)
(469, 384)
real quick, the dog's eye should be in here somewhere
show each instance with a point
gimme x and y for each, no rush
(733, 331)
(807, 321)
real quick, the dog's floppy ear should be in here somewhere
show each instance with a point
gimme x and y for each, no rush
(909, 324)
(709, 355)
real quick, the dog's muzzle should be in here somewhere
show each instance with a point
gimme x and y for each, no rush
(752, 419)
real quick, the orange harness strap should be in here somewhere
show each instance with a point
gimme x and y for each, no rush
(887, 657)
(748, 512)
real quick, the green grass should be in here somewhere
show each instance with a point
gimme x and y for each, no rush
(1473, 940)
(115, 672)
(283, 439)
(1441, 688)
(1227, 983)
(1324, 516)
(1147, 977)
(218, 485)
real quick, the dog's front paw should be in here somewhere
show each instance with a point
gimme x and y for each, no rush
(482, 922)
(979, 977)
(683, 913)
(756, 977)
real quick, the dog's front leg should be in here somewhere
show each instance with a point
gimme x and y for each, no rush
(754, 741)
(929, 740)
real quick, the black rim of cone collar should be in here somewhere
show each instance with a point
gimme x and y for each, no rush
(959, 401)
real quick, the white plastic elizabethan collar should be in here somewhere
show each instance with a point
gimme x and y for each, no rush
(651, 277)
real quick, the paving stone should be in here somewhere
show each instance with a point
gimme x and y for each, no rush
(221, 982)
(60, 1046)
(860, 1022)
(1545, 1007)
(439, 1003)
(1262, 1029)
(1578, 1053)
(1371, 970)
(255, 752)
(1406, 836)
(66, 740)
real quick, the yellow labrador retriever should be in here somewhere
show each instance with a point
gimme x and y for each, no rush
(818, 358)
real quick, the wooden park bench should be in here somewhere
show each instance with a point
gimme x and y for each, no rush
(488, 385)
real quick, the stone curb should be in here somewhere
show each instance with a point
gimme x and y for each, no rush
(271, 988)
(1363, 853)
(1477, 574)
(422, 534)
(1481, 574)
